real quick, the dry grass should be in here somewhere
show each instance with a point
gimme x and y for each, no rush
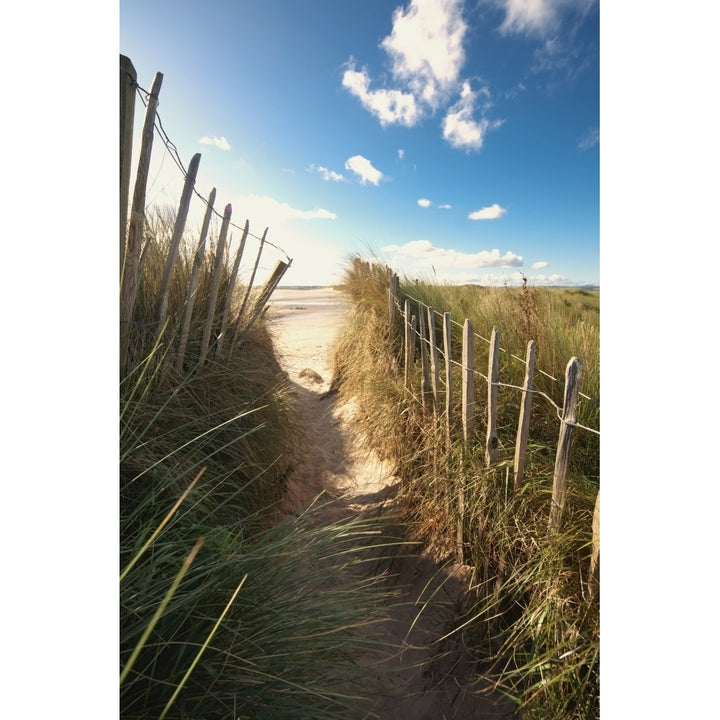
(528, 616)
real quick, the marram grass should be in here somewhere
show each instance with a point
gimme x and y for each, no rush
(226, 612)
(528, 617)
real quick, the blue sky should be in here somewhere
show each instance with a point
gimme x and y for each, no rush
(454, 139)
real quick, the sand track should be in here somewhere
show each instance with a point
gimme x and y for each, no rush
(418, 678)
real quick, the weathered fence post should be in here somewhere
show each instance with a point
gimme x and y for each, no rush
(231, 288)
(178, 231)
(392, 299)
(269, 288)
(425, 364)
(215, 284)
(447, 342)
(562, 457)
(194, 275)
(468, 421)
(128, 82)
(491, 442)
(250, 282)
(129, 279)
(434, 369)
(409, 344)
(594, 581)
(523, 432)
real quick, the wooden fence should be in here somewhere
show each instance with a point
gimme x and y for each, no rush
(420, 326)
(133, 244)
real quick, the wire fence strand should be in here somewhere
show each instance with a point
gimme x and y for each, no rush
(477, 373)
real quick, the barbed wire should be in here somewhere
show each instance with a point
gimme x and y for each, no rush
(175, 155)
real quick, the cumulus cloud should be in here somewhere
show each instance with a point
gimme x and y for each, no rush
(364, 169)
(426, 47)
(218, 142)
(540, 264)
(421, 255)
(268, 211)
(424, 202)
(459, 127)
(427, 54)
(388, 106)
(492, 212)
(445, 206)
(326, 174)
(401, 154)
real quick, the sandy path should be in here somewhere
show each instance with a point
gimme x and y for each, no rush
(418, 680)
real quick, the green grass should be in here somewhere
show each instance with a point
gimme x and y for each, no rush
(225, 606)
(528, 617)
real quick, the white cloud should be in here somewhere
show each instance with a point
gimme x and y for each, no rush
(427, 55)
(267, 211)
(445, 206)
(389, 106)
(364, 169)
(459, 127)
(424, 202)
(426, 47)
(536, 16)
(589, 139)
(401, 153)
(540, 265)
(326, 174)
(218, 142)
(492, 212)
(422, 255)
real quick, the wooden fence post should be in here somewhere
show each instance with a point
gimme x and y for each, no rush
(128, 83)
(468, 421)
(268, 289)
(392, 299)
(425, 364)
(523, 432)
(594, 580)
(192, 290)
(215, 284)
(133, 247)
(409, 344)
(491, 442)
(250, 282)
(434, 369)
(231, 288)
(178, 231)
(447, 342)
(573, 373)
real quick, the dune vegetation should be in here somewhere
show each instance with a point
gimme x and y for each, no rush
(224, 608)
(529, 616)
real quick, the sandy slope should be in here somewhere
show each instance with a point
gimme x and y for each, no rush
(420, 679)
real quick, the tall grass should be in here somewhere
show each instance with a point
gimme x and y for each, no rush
(528, 617)
(226, 611)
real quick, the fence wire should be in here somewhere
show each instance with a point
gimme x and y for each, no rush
(175, 155)
(477, 373)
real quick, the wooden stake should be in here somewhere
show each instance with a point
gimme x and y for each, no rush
(129, 276)
(491, 441)
(447, 341)
(231, 288)
(434, 369)
(178, 231)
(215, 284)
(523, 431)
(194, 279)
(573, 373)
